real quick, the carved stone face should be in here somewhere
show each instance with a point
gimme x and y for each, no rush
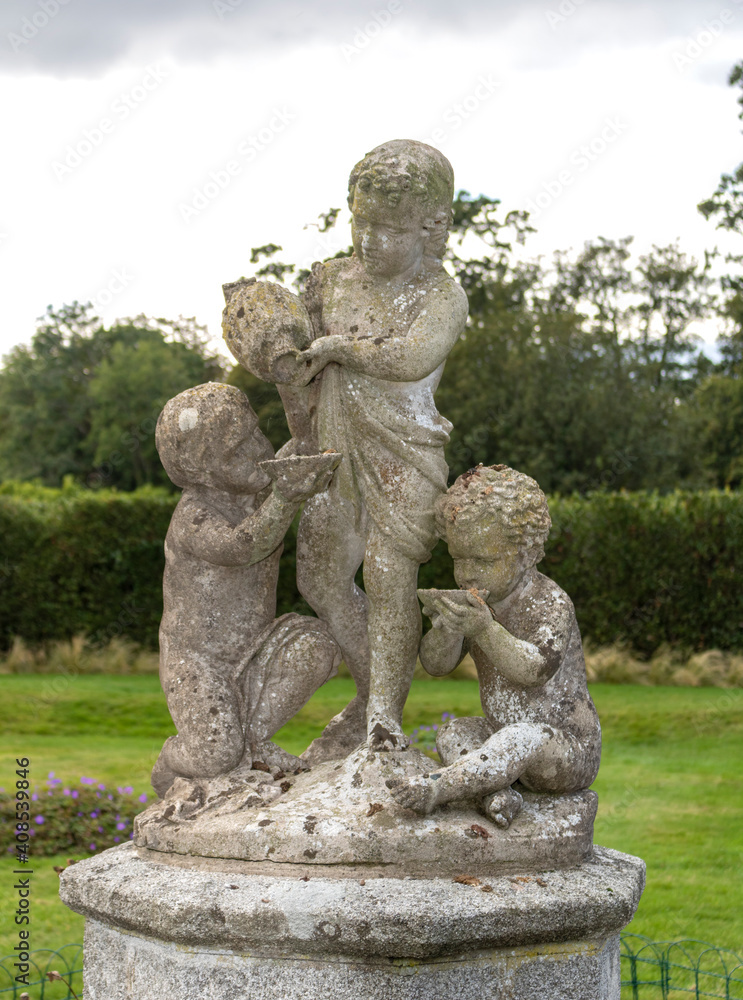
(209, 436)
(237, 455)
(488, 558)
(388, 240)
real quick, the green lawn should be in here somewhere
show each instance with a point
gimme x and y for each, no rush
(670, 784)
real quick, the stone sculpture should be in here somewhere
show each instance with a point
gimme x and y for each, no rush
(232, 675)
(541, 728)
(384, 321)
(362, 868)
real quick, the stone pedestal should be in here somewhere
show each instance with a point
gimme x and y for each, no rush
(161, 926)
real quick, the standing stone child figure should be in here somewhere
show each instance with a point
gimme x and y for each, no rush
(232, 674)
(385, 320)
(541, 727)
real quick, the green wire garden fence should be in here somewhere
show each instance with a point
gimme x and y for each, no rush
(672, 970)
(651, 970)
(67, 961)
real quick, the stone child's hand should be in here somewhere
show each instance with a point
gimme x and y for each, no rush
(296, 478)
(315, 358)
(467, 619)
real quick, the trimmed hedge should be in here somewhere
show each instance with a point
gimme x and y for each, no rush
(642, 569)
(648, 570)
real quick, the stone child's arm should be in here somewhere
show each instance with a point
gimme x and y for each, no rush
(527, 663)
(524, 662)
(211, 537)
(398, 359)
(441, 651)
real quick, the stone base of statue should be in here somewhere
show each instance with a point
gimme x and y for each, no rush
(161, 926)
(341, 814)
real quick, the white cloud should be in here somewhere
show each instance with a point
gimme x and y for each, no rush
(62, 235)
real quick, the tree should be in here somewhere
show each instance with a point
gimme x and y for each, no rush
(726, 204)
(82, 398)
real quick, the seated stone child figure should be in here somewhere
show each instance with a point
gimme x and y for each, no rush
(541, 728)
(231, 673)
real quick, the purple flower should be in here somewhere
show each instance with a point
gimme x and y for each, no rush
(73, 793)
(110, 796)
(65, 791)
(121, 826)
(91, 847)
(100, 829)
(38, 819)
(117, 840)
(79, 814)
(142, 797)
(87, 781)
(94, 814)
(102, 788)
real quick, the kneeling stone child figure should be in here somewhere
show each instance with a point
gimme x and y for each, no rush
(232, 672)
(541, 728)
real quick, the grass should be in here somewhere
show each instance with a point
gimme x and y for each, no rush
(670, 785)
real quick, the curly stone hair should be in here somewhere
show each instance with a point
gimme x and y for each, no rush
(487, 493)
(406, 166)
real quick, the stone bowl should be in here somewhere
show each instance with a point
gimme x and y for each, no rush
(428, 597)
(295, 475)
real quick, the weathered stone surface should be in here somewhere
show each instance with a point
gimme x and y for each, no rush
(275, 916)
(384, 321)
(233, 674)
(343, 814)
(521, 630)
(265, 327)
(122, 967)
(362, 869)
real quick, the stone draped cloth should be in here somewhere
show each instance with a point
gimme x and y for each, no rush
(392, 440)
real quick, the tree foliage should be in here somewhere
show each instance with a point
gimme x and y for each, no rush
(82, 399)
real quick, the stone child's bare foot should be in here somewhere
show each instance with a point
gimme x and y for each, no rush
(417, 793)
(163, 774)
(386, 734)
(502, 807)
(341, 736)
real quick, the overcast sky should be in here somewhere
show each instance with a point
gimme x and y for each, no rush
(149, 144)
